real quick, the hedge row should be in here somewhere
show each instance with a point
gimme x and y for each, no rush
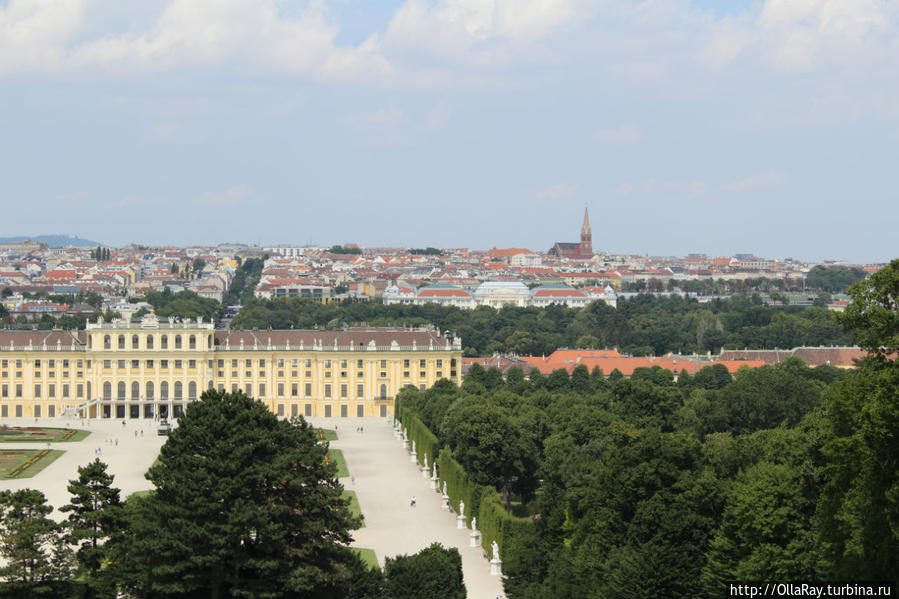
(426, 443)
(516, 537)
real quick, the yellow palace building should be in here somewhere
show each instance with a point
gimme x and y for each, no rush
(154, 367)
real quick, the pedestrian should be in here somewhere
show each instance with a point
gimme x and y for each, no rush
(123, 424)
(117, 442)
(361, 429)
(135, 433)
(413, 501)
(142, 433)
(352, 478)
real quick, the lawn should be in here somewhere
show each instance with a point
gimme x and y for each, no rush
(354, 505)
(25, 463)
(336, 457)
(41, 434)
(368, 556)
(326, 434)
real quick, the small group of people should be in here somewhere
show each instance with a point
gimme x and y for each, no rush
(360, 429)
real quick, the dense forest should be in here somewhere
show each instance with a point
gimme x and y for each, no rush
(646, 487)
(644, 325)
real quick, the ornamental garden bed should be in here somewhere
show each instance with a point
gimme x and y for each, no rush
(40, 434)
(25, 463)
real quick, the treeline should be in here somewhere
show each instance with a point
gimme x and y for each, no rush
(183, 304)
(647, 487)
(644, 487)
(643, 325)
(833, 279)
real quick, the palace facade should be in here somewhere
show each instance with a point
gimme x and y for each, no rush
(155, 367)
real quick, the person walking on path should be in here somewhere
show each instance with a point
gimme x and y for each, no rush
(413, 501)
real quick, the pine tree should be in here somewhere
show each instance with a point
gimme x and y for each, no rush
(95, 517)
(244, 505)
(29, 540)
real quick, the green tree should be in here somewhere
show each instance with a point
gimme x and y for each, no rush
(873, 314)
(432, 573)
(244, 505)
(30, 542)
(94, 518)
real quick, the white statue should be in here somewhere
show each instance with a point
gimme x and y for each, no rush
(444, 487)
(426, 462)
(461, 509)
(413, 445)
(474, 523)
(495, 548)
(434, 470)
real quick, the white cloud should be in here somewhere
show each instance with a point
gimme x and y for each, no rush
(758, 182)
(33, 33)
(623, 134)
(556, 193)
(233, 196)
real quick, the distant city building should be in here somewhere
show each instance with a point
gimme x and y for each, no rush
(578, 251)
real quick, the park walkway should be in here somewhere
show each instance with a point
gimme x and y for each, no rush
(385, 481)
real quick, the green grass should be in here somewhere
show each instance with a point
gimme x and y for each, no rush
(336, 457)
(10, 464)
(354, 505)
(368, 556)
(44, 434)
(326, 434)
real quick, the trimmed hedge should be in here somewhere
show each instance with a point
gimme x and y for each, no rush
(516, 537)
(426, 443)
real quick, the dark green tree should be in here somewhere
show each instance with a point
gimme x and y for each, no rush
(244, 506)
(432, 573)
(94, 517)
(30, 542)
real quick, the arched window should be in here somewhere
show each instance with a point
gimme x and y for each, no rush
(383, 391)
(178, 390)
(121, 342)
(135, 390)
(149, 394)
(121, 390)
(192, 342)
(107, 388)
(149, 341)
(192, 390)
(164, 390)
(107, 342)
(135, 342)
(165, 342)
(177, 341)
(211, 385)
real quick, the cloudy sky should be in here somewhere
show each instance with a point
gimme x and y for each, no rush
(767, 126)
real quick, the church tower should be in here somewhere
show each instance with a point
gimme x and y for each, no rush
(586, 248)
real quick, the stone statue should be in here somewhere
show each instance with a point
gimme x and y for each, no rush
(474, 523)
(434, 470)
(461, 509)
(426, 462)
(495, 549)
(444, 487)
(413, 445)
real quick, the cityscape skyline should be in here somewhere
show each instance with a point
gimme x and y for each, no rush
(685, 127)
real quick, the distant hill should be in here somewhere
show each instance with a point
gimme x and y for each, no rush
(55, 241)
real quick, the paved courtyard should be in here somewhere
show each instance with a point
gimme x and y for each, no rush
(385, 482)
(128, 460)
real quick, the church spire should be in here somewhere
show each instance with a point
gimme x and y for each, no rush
(586, 248)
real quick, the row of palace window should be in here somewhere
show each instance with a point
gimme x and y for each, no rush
(178, 388)
(149, 342)
(65, 390)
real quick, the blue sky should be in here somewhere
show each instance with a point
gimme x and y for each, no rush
(769, 126)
